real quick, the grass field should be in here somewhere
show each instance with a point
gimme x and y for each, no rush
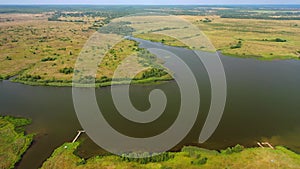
(166, 40)
(190, 157)
(13, 141)
(25, 42)
(40, 51)
(258, 37)
(44, 52)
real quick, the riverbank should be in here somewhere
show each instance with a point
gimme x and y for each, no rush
(152, 80)
(232, 52)
(47, 59)
(189, 157)
(13, 140)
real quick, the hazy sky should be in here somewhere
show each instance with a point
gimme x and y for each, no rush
(163, 2)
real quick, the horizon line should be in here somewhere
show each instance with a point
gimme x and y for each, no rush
(139, 4)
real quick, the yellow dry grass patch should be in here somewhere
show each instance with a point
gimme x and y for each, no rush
(225, 32)
(27, 42)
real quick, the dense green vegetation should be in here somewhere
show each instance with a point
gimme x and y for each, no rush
(13, 141)
(120, 28)
(48, 59)
(154, 72)
(67, 70)
(189, 157)
(144, 159)
(238, 45)
(285, 12)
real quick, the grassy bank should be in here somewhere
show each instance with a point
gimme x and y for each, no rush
(189, 157)
(13, 141)
(166, 40)
(152, 80)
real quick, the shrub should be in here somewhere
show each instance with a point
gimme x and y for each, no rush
(82, 162)
(67, 70)
(6, 77)
(133, 157)
(238, 45)
(48, 59)
(154, 72)
(236, 149)
(19, 123)
(280, 40)
(32, 78)
(62, 49)
(206, 20)
(201, 161)
(192, 152)
(8, 58)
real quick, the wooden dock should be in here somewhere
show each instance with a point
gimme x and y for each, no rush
(78, 134)
(263, 144)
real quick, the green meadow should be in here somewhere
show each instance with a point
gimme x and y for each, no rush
(189, 157)
(13, 141)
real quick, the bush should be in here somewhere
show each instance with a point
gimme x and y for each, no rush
(201, 161)
(62, 49)
(280, 40)
(206, 20)
(32, 78)
(154, 72)
(19, 123)
(48, 59)
(238, 45)
(133, 157)
(236, 149)
(82, 162)
(67, 70)
(8, 58)
(192, 152)
(6, 77)
(104, 79)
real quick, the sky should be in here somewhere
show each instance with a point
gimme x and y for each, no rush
(150, 2)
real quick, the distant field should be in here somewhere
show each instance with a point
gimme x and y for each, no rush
(257, 37)
(44, 52)
(189, 157)
(24, 43)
